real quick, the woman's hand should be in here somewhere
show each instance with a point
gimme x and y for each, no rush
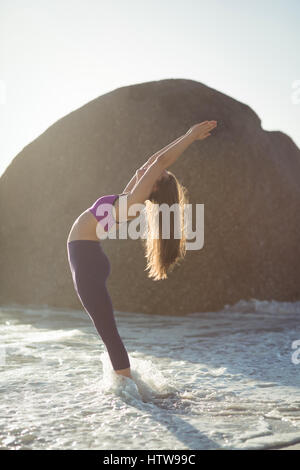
(202, 130)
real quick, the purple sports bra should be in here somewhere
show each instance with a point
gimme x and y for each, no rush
(105, 212)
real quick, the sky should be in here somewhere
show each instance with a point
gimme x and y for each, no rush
(57, 55)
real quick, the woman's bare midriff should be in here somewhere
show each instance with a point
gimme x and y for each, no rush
(84, 228)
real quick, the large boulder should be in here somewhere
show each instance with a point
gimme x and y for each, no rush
(246, 177)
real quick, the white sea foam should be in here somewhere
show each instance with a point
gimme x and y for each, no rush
(204, 381)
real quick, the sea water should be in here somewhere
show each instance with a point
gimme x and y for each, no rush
(214, 380)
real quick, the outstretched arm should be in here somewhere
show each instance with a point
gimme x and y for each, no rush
(157, 154)
(130, 184)
(165, 158)
(197, 132)
(140, 171)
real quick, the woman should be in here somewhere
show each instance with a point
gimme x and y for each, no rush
(90, 267)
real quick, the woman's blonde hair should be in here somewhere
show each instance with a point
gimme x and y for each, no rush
(163, 254)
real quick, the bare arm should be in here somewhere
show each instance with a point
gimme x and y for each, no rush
(142, 189)
(162, 160)
(200, 131)
(140, 171)
(130, 184)
(156, 154)
(140, 192)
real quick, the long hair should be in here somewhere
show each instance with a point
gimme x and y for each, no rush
(162, 254)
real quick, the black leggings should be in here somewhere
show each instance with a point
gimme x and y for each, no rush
(90, 268)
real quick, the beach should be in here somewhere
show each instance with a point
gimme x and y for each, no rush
(214, 380)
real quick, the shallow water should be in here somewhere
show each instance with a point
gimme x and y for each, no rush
(205, 381)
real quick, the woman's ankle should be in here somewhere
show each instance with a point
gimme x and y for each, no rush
(125, 372)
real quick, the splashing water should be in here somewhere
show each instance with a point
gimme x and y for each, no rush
(212, 380)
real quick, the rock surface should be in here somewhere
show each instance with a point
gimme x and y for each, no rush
(246, 177)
